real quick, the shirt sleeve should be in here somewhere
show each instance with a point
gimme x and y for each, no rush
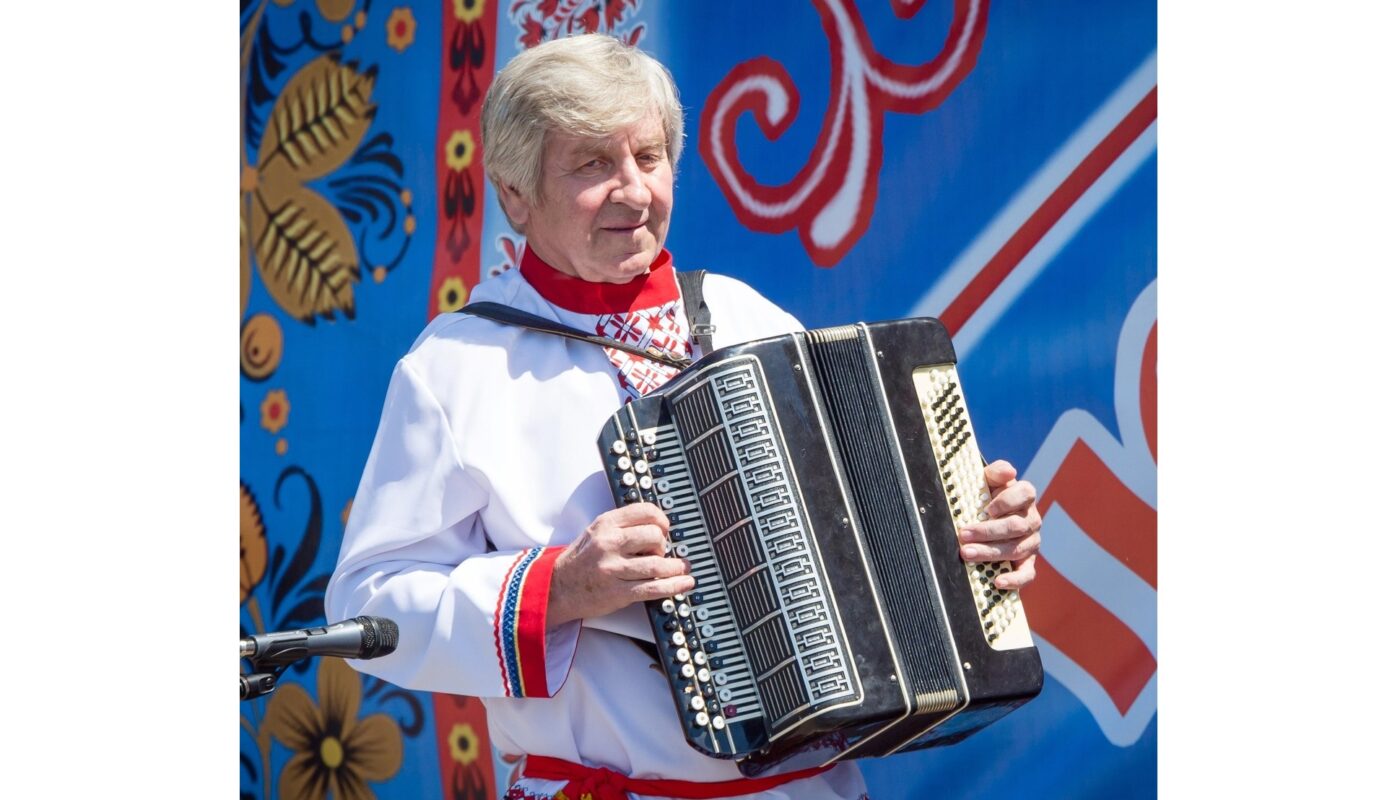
(471, 617)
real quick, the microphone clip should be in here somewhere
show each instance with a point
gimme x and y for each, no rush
(257, 684)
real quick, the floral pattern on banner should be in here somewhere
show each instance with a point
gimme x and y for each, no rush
(326, 217)
(543, 20)
(333, 748)
(468, 61)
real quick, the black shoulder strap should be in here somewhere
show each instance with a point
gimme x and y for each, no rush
(693, 295)
(524, 319)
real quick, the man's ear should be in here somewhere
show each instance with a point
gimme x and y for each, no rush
(515, 204)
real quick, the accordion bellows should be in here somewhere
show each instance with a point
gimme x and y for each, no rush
(816, 482)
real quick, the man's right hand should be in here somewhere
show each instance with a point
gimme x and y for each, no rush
(619, 560)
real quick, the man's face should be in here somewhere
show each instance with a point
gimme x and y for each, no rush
(606, 203)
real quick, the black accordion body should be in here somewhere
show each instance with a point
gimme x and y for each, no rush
(816, 482)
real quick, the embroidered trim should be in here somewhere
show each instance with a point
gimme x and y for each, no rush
(520, 623)
(657, 328)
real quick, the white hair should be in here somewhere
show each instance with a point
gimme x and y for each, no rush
(588, 85)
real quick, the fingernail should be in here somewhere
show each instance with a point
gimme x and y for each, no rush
(969, 552)
(965, 535)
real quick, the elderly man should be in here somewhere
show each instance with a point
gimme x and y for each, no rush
(484, 524)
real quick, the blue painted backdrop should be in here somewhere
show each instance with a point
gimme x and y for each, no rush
(991, 164)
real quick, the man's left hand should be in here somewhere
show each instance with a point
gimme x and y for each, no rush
(1011, 531)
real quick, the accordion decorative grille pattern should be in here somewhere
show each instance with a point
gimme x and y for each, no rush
(763, 550)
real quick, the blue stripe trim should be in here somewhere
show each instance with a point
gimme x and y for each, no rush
(510, 621)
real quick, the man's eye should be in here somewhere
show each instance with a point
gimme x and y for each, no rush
(592, 165)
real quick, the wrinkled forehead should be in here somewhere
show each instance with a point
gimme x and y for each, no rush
(644, 133)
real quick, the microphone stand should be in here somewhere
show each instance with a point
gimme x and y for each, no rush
(262, 681)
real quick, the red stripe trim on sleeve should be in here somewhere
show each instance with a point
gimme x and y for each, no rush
(533, 607)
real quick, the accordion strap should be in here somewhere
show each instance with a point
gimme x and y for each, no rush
(692, 295)
(524, 319)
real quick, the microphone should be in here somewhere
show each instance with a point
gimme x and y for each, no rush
(361, 637)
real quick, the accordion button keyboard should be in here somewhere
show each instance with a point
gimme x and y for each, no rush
(965, 488)
(713, 650)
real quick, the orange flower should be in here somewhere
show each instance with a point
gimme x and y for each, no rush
(463, 744)
(401, 28)
(451, 295)
(332, 749)
(275, 409)
(461, 148)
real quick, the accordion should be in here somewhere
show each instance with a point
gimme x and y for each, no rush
(816, 482)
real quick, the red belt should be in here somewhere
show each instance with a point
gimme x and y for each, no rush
(604, 784)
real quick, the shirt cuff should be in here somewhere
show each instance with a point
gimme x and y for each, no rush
(520, 628)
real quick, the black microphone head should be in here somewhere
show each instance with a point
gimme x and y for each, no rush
(378, 636)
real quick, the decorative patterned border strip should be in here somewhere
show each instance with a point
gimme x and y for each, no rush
(520, 623)
(468, 63)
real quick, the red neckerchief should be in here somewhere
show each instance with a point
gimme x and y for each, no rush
(585, 297)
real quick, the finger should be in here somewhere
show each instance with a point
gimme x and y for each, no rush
(636, 514)
(999, 473)
(661, 587)
(1015, 526)
(642, 540)
(1011, 550)
(1017, 578)
(649, 568)
(1014, 498)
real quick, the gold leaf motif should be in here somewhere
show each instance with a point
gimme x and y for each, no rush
(306, 255)
(252, 543)
(318, 120)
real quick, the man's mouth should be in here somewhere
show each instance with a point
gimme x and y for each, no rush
(624, 228)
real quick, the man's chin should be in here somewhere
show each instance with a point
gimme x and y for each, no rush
(629, 268)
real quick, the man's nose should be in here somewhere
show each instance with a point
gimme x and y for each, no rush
(631, 190)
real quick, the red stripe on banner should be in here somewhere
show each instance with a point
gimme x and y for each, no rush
(1106, 510)
(468, 62)
(1147, 391)
(464, 747)
(1089, 635)
(1034, 229)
